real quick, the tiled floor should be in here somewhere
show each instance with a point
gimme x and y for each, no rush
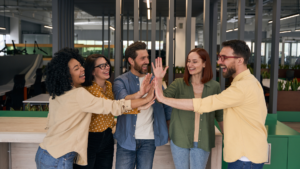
(293, 125)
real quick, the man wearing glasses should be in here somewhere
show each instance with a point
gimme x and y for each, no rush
(245, 135)
(138, 135)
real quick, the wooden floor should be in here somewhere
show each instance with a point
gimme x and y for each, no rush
(293, 125)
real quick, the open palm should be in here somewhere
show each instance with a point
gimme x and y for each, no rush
(158, 70)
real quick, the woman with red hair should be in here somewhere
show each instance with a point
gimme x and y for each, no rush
(192, 135)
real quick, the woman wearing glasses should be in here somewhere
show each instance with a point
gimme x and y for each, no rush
(100, 141)
(70, 112)
(192, 135)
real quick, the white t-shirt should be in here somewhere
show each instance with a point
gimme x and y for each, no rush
(243, 158)
(144, 121)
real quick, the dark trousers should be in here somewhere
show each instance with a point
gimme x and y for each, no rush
(100, 151)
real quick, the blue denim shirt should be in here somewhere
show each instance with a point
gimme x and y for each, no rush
(127, 84)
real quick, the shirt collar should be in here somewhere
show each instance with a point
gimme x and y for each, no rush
(241, 75)
(132, 75)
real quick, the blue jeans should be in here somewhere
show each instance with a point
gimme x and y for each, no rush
(44, 160)
(142, 157)
(244, 165)
(189, 158)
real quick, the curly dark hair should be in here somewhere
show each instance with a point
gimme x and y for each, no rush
(239, 48)
(58, 77)
(131, 50)
(89, 66)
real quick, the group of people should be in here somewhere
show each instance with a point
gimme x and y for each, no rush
(83, 104)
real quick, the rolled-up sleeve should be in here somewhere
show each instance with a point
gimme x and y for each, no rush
(231, 97)
(89, 103)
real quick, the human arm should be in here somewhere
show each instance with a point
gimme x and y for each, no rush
(145, 87)
(230, 97)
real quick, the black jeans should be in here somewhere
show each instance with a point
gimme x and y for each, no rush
(100, 151)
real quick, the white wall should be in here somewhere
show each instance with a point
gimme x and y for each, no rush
(180, 41)
(15, 30)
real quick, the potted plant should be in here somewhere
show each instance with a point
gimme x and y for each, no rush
(288, 96)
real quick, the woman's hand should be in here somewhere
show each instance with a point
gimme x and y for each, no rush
(146, 85)
(146, 106)
(150, 96)
(159, 71)
(158, 91)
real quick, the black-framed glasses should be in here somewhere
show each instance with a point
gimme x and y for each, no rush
(102, 66)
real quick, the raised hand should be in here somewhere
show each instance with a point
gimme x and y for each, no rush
(158, 91)
(145, 86)
(158, 69)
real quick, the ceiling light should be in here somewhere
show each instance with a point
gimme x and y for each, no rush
(148, 14)
(148, 3)
(230, 30)
(1, 28)
(112, 28)
(286, 17)
(285, 31)
(297, 30)
(49, 27)
(88, 23)
(236, 29)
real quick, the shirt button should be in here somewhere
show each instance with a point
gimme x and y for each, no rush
(201, 119)
(135, 115)
(138, 84)
(134, 125)
(199, 140)
(133, 135)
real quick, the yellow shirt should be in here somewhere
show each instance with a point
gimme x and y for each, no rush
(245, 113)
(69, 120)
(100, 122)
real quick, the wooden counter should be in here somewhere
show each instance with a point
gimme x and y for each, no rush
(23, 135)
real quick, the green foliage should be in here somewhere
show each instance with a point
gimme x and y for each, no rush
(280, 86)
(28, 107)
(295, 84)
(266, 75)
(286, 67)
(263, 66)
(287, 86)
(269, 66)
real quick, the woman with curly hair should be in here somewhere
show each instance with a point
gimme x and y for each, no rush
(100, 140)
(70, 112)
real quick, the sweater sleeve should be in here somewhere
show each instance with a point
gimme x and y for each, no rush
(89, 103)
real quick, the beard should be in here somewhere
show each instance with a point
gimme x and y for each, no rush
(230, 72)
(139, 68)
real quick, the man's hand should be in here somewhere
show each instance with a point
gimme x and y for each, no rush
(145, 86)
(159, 71)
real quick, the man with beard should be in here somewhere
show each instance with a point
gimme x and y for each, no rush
(245, 135)
(138, 135)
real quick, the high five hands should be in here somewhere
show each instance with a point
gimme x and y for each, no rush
(159, 73)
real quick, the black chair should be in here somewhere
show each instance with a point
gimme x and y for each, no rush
(290, 75)
(36, 89)
(16, 96)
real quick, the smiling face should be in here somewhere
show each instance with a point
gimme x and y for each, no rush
(101, 74)
(139, 65)
(229, 64)
(77, 72)
(195, 64)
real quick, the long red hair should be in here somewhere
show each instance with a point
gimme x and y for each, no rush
(207, 73)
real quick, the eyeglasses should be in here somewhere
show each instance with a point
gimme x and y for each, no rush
(103, 66)
(222, 57)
